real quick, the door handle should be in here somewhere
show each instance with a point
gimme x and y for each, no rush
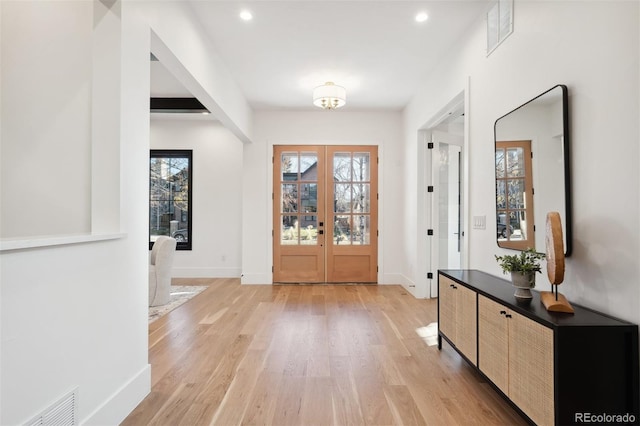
(320, 231)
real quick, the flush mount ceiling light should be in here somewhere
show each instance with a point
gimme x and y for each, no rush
(329, 96)
(246, 15)
(421, 17)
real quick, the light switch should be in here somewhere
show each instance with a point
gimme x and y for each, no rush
(480, 222)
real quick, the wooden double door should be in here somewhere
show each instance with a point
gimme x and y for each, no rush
(325, 214)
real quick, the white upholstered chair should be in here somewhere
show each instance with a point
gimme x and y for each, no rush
(161, 263)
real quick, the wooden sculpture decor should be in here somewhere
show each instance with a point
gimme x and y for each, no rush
(552, 300)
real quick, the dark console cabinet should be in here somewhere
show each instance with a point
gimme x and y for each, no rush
(555, 368)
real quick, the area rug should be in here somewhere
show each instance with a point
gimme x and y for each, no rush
(179, 295)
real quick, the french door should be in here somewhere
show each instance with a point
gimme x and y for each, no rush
(514, 195)
(325, 214)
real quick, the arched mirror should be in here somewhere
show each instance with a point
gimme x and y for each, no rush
(532, 171)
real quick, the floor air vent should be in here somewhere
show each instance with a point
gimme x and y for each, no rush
(62, 413)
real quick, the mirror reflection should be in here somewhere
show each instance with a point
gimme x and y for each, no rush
(532, 171)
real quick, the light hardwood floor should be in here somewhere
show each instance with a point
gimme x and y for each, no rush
(308, 355)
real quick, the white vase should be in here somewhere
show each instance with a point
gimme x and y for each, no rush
(523, 282)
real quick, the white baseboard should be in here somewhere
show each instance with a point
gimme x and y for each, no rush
(195, 272)
(409, 285)
(418, 291)
(256, 279)
(115, 409)
(390, 279)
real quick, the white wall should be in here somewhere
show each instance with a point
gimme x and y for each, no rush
(552, 43)
(340, 127)
(73, 309)
(46, 99)
(217, 193)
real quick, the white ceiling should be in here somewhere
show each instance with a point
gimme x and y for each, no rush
(375, 49)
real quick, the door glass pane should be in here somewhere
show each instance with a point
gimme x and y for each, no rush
(342, 167)
(309, 197)
(308, 233)
(361, 230)
(361, 197)
(289, 198)
(308, 220)
(501, 196)
(289, 230)
(500, 163)
(342, 198)
(520, 225)
(309, 166)
(289, 167)
(515, 193)
(361, 166)
(504, 229)
(342, 229)
(515, 162)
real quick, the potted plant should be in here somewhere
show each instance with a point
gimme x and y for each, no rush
(523, 268)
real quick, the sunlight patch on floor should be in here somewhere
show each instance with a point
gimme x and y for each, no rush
(429, 333)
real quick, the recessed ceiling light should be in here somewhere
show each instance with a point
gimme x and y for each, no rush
(245, 15)
(421, 17)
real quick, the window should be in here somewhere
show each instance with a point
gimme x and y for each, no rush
(499, 23)
(170, 186)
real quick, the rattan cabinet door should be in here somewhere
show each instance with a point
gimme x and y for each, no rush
(466, 322)
(493, 342)
(531, 368)
(447, 307)
(457, 316)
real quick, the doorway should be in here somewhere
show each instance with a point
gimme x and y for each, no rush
(447, 206)
(325, 214)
